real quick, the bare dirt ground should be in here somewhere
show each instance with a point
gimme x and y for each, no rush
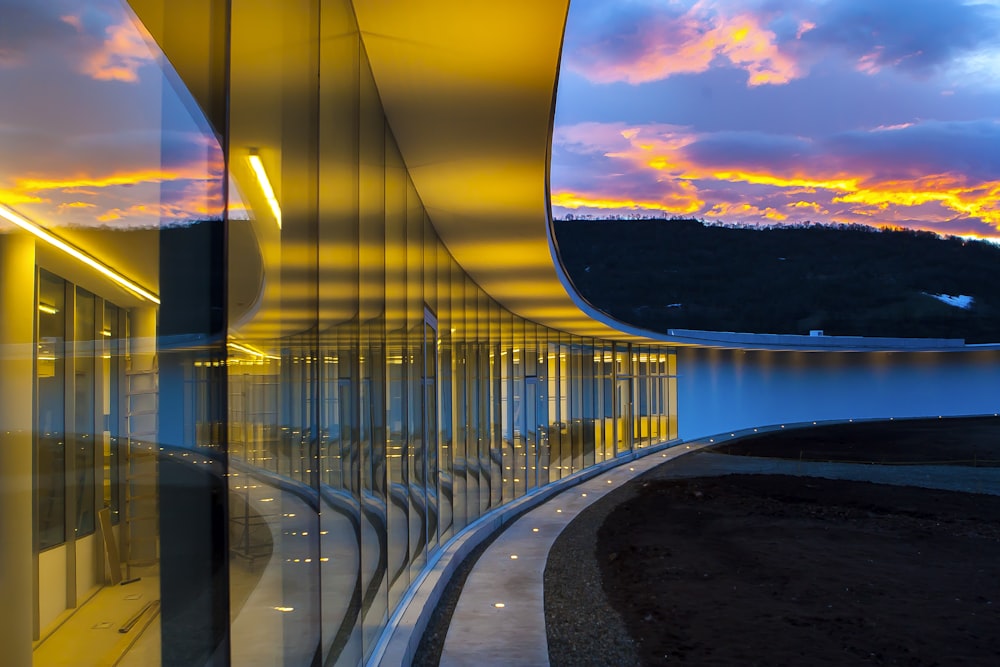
(786, 570)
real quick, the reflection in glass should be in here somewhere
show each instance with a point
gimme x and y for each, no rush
(276, 451)
(51, 436)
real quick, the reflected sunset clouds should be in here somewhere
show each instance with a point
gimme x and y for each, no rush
(844, 111)
(95, 134)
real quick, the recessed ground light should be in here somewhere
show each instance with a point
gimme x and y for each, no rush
(559, 511)
(609, 481)
(631, 469)
(499, 605)
(534, 530)
(584, 495)
(513, 556)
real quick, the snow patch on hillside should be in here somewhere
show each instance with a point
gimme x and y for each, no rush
(961, 301)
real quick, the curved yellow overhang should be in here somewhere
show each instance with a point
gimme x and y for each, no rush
(468, 90)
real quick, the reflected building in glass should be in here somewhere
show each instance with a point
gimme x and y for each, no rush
(249, 391)
(280, 317)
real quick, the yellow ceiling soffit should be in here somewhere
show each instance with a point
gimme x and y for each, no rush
(468, 90)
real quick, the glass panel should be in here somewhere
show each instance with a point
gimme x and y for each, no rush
(446, 450)
(543, 465)
(526, 457)
(430, 434)
(416, 446)
(471, 366)
(497, 444)
(113, 351)
(460, 391)
(507, 407)
(484, 390)
(577, 388)
(51, 432)
(84, 406)
(397, 358)
(554, 416)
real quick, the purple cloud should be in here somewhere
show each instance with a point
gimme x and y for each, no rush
(915, 36)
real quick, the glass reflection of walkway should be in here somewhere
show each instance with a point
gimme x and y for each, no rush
(284, 617)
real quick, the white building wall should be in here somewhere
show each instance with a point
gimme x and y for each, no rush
(724, 390)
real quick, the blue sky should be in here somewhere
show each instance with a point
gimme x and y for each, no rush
(780, 111)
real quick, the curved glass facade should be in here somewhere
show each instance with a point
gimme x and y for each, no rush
(251, 389)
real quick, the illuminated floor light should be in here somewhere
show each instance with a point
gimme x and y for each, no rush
(534, 530)
(513, 556)
(499, 605)
(70, 250)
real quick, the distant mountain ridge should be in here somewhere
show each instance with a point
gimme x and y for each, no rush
(847, 281)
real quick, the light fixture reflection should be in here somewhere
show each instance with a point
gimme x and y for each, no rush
(252, 351)
(265, 184)
(46, 308)
(57, 242)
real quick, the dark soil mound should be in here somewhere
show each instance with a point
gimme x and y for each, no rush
(967, 441)
(779, 570)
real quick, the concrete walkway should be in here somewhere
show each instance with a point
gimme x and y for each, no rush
(500, 616)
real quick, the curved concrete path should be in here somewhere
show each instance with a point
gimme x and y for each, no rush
(500, 616)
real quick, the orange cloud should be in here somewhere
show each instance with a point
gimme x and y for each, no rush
(679, 204)
(692, 43)
(740, 211)
(70, 183)
(809, 205)
(120, 56)
(62, 208)
(980, 201)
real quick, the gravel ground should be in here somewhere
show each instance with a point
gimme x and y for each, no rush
(582, 628)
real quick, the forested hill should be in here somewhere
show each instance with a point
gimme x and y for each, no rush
(682, 274)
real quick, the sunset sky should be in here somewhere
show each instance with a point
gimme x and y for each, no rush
(882, 112)
(92, 132)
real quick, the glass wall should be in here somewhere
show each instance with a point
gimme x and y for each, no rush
(257, 388)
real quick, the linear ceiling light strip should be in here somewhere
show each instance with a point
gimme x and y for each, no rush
(265, 185)
(57, 242)
(252, 351)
